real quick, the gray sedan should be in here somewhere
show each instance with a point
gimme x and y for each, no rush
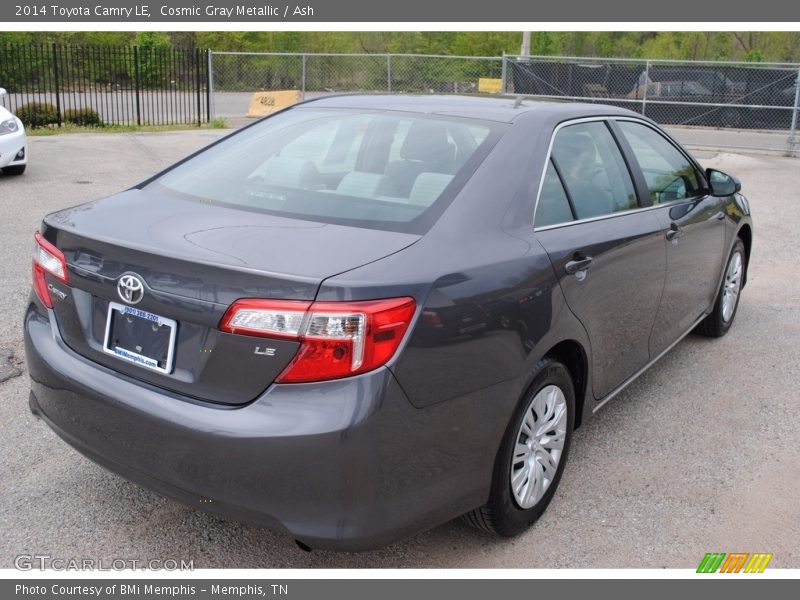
(366, 315)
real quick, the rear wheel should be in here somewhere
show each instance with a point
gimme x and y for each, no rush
(532, 455)
(719, 321)
(15, 170)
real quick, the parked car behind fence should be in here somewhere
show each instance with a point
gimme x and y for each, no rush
(717, 95)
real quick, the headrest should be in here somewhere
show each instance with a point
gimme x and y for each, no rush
(428, 187)
(573, 146)
(290, 172)
(361, 184)
(427, 141)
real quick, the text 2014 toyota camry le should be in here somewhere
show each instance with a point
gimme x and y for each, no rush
(367, 315)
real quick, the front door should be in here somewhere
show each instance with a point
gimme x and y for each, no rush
(694, 231)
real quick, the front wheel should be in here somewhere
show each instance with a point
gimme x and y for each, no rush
(719, 321)
(532, 455)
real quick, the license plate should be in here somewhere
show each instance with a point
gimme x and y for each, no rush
(140, 337)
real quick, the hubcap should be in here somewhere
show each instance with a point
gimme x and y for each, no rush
(539, 445)
(731, 286)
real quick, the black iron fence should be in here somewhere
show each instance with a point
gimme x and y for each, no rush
(94, 85)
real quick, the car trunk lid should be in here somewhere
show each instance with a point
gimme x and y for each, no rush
(193, 261)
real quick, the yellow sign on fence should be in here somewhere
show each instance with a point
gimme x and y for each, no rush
(489, 85)
(266, 103)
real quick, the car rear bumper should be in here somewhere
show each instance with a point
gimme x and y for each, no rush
(10, 146)
(346, 464)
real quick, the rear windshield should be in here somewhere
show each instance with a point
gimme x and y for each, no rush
(378, 169)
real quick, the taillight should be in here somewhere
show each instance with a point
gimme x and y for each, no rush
(269, 318)
(47, 259)
(337, 339)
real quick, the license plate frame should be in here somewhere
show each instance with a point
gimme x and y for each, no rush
(131, 356)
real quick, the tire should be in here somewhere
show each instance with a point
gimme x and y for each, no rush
(15, 170)
(719, 321)
(506, 513)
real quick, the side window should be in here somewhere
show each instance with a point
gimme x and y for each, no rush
(594, 173)
(670, 176)
(553, 206)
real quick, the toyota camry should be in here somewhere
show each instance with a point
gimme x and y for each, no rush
(364, 316)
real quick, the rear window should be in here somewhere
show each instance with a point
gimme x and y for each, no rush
(380, 169)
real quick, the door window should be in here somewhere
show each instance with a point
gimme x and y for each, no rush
(594, 173)
(669, 174)
(553, 206)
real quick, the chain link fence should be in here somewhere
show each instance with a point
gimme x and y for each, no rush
(756, 99)
(339, 73)
(236, 75)
(703, 103)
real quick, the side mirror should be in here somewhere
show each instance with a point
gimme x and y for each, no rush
(2, 92)
(721, 183)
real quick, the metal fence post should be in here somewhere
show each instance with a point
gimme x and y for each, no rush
(210, 108)
(646, 85)
(57, 84)
(793, 144)
(303, 78)
(389, 73)
(503, 75)
(136, 84)
(197, 86)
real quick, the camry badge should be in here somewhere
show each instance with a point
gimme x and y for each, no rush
(130, 288)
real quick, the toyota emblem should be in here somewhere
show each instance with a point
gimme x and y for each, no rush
(130, 288)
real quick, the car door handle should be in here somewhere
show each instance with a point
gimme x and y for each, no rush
(579, 264)
(674, 232)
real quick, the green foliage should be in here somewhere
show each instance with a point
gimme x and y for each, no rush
(85, 117)
(152, 39)
(38, 114)
(485, 43)
(754, 55)
(781, 46)
(152, 48)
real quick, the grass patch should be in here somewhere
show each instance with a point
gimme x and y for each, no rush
(218, 123)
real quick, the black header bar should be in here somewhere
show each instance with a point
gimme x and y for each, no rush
(369, 11)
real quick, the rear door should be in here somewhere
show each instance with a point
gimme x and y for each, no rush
(609, 256)
(694, 230)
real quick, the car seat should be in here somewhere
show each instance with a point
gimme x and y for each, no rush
(426, 149)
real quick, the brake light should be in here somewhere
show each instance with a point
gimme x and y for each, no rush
(47, 259)
(337, 339)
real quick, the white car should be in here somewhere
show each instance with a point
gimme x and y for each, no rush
(13, 143)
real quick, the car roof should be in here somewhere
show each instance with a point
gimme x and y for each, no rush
(505, 109)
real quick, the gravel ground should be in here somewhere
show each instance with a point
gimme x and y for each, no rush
(700, 454)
